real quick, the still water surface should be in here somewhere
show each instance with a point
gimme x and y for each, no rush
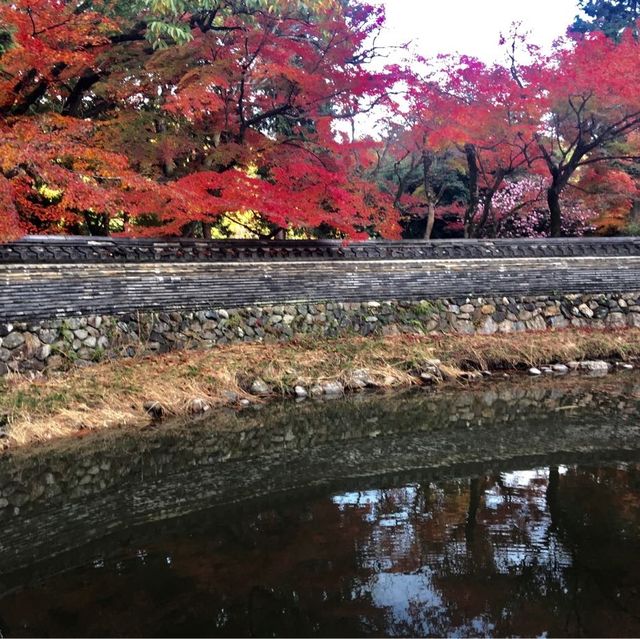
(545, 546)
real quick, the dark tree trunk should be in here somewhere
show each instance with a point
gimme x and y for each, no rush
(197, 230)
(190, 229)
(37, 92)
(97, 224)
(634, 213)
(73, 103)
(431, 219)
(487, 204)
(474, 194)
(427, 161)
(555, 211)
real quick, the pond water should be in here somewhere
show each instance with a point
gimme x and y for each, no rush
(499, 511)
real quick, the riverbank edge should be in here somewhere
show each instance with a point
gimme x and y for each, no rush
(145, 390)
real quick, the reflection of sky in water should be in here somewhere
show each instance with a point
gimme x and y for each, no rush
(512, 514)
(395, 591)
(402, 595)
(398, 593)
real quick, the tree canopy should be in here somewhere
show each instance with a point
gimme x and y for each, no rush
(174, 117)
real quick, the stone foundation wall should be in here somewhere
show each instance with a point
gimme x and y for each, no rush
(50, 345)
(75, 301)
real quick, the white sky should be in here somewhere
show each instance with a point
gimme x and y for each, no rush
(473, 27)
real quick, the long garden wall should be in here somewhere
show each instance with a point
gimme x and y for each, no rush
(66, 301)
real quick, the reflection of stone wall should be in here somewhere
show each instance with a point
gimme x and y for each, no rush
(54, 344)
(57, 497)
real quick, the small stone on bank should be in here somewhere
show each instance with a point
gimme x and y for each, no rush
(316, 390)
(597, 366)
(198, 405)
(155, 409)
(535, 371)
(259, 387)
(333, 389)
(359, 379)
(301, 392)
(561, 369)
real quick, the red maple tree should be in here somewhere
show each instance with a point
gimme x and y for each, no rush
(590, 107)
(243, 117)
(168, 117)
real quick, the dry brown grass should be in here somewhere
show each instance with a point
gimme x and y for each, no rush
(113, 394)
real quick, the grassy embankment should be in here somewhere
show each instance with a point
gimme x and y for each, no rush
(115, 393)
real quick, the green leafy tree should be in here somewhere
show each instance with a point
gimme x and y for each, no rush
(609, 16)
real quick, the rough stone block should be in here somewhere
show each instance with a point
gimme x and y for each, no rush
(13, 340)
